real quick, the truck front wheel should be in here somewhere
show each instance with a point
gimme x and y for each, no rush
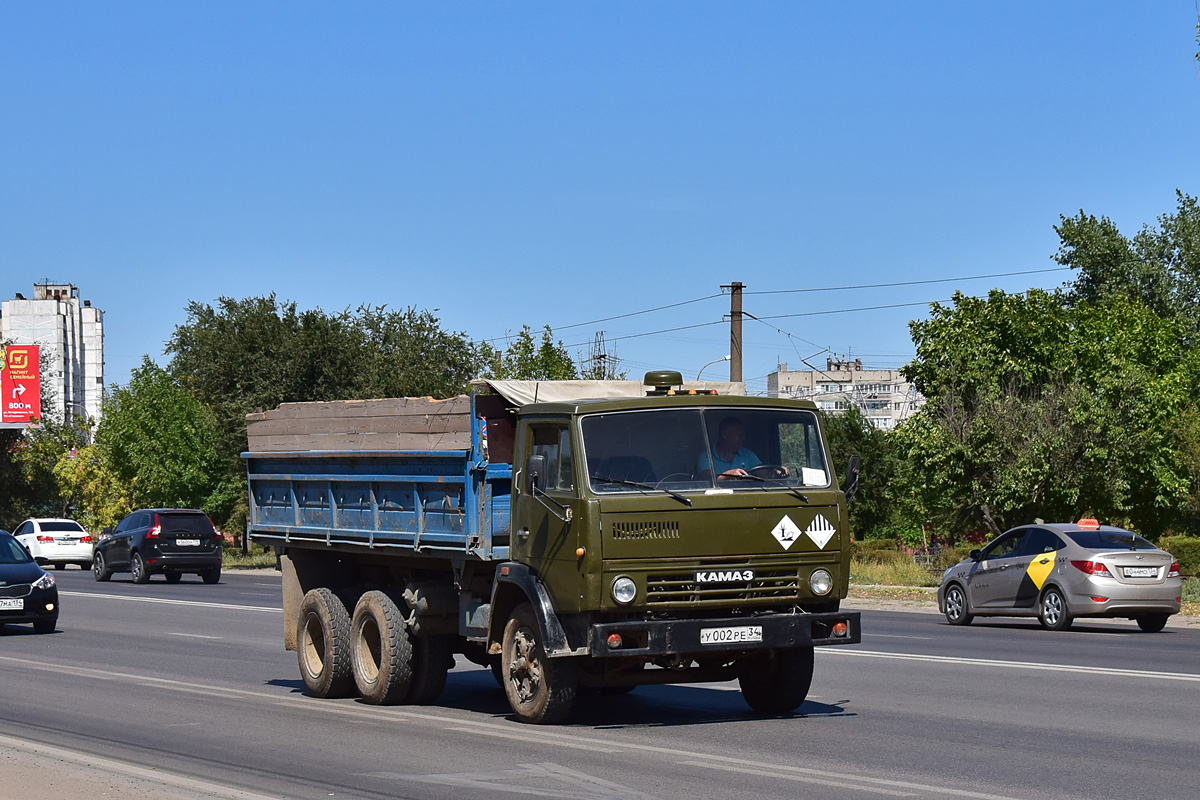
(382, 644)
(778, 681)
(323, 645)
(540, 690)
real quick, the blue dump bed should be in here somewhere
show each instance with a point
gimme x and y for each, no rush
(423, 502)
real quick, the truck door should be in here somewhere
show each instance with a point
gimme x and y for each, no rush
(541, 533)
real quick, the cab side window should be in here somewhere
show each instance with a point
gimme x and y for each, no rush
(554, 444)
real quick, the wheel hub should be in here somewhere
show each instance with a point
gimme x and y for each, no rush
(525, 671)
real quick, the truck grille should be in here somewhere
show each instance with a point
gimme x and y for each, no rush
(645, 530)
(19, 590)
(679, 586)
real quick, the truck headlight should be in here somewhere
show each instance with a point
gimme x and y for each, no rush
(820, 581)
(624, 590)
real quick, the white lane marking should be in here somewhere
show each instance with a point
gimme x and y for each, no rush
(898, 636)
(192, 635)
(566, 784)
(156, 776)
(806, 778)
(380, 715)
(525, 737)
(168, 601)
(1029, 665)
(839, 780)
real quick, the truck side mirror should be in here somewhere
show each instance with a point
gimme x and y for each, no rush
(535, 468)
(852, 473)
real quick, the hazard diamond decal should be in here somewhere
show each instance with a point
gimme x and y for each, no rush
(820, 531)
(786, 532)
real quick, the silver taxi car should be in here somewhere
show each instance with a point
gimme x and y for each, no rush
(1060, 571)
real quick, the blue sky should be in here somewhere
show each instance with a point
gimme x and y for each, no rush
(556, 163)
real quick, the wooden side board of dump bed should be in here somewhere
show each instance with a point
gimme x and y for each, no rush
(403, 423)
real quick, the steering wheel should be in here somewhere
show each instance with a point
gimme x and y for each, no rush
(678, 476)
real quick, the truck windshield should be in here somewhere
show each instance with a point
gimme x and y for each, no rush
(702, 449)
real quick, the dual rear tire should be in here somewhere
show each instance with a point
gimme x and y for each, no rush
(371, 652)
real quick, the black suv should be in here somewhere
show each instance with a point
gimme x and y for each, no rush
(167, 540)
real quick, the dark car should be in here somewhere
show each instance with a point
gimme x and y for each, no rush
(27, 592)
(171, 541)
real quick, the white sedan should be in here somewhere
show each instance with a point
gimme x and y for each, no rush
(56, 541)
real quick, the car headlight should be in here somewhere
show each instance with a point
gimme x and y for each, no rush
(624, 590)
(821, 582)
(44, 582)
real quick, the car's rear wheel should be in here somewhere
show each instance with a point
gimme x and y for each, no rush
(323, 645)
(1152, 623)
(211, 575)
(173, 577)
(137, 566)
(100, 570)
(956, 606)
(60, 565)
(1053, 611)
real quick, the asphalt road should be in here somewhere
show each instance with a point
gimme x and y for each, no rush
(185, 691)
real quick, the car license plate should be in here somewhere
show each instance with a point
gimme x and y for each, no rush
(1141, 572)
(741, 633)
(188, 542)
(11, 604)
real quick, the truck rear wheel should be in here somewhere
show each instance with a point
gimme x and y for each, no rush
(323, 645)
(382, 647)
(432, 658)
(541, 690)
(776, 682)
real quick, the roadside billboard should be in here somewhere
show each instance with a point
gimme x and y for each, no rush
(20, 384)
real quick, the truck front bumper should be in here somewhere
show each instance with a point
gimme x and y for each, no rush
(699, 636)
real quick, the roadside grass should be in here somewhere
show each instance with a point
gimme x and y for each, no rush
(901, 571)
(257, 558)
(1191, 597)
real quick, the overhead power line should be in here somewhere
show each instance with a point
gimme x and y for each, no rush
(912, 283)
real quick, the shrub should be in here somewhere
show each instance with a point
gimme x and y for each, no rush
(877, 551)
(1186, 550)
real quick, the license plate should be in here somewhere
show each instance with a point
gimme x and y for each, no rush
(188, 542)
(742, 633)
(1141, 572)
(12, 604)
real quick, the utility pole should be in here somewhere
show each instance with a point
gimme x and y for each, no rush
(735, 330)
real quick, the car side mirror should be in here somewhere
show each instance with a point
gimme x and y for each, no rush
(106, 532)
(853, 471)
(975, 555)
(535, 468)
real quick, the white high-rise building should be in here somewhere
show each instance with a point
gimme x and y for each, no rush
(882, 395)
(71, 336)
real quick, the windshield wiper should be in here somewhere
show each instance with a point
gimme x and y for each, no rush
(685, 500)
(791, 489)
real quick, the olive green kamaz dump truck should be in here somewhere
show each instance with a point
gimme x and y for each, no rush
(571, 536)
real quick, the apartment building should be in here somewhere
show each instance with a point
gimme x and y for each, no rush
(71, 335)
(882, 395)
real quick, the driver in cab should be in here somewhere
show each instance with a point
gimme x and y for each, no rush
(731, 460)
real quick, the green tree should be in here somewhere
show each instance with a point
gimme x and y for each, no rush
(1037, 408)
(1159, 265)
(243, 355)
(850, 434)
(160, 441)
(528, 360)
